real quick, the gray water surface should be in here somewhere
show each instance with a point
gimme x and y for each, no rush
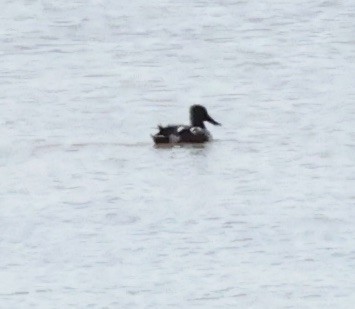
(94, 216)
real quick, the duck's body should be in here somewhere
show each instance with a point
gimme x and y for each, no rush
(194, 133)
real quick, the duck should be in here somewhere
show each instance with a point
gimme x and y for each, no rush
(196, 132)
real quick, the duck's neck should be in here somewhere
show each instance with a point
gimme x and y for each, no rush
(197, 123)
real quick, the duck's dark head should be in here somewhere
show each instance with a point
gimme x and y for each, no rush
(198, 114)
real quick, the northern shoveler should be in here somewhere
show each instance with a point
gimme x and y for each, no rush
(194, 133)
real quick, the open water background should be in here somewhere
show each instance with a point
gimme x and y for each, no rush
(93, 216)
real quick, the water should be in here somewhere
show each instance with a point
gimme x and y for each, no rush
(94, 216)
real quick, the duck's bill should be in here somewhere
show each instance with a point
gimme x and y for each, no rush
(211, 120)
